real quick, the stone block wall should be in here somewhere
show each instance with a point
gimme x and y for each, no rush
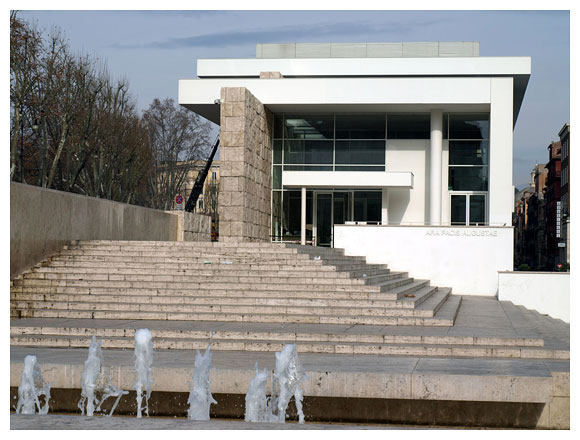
(245, 167)
(192, 226)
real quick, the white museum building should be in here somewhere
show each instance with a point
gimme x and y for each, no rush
(401, 152)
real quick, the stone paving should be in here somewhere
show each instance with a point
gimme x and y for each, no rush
(65, 422)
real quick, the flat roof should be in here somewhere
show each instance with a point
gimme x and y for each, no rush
(371, 50)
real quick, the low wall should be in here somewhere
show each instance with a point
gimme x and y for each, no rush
(466, 259)
(43, 220)
(546, 292)
(192, 226)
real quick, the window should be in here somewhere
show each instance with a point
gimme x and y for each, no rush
(468, 156)
(468, 178)
(309, 127)
(360, 152)
(468, 206)
(364, 126)
(469, 126)
(408, 126)
(468, 167)
(336, 142)
(367, 206)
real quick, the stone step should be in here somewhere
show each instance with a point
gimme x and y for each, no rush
(448, 310)
(366, 271)
(314, 249)
(314, 286)
(443, 321)
(193, 307)
(227, 331)
(222, 265)
(431, 305)
(180, 247)
(311, 278)
(191, 255)
(418, 296)
(185, 244)
(205, 290)
(378, 279)
(406, 291)
(138, 298)
(203, 270)
(390, 285)
(341, 261)
(404, 349)
(190, 259)
(210, 284)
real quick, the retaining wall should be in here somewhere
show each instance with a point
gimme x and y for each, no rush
(546, 292)
(43, 220)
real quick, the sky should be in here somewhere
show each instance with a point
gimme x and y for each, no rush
(154, 49)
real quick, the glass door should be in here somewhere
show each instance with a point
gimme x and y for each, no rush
(323, 219)
(468, 209)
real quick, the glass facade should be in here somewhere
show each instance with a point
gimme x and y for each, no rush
(358, 142)
(468, 136)
(409, 126)
(324, 208)
(334, 142)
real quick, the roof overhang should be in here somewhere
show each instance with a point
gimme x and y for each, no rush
(324, 83)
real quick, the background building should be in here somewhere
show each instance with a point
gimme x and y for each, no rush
(542, 212)
(553, 205)
(564, 134)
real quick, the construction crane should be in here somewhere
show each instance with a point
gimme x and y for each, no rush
(199, 181)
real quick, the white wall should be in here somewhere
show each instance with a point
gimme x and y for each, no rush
(501, 152)
(408, 205)
(464, 258)
(346, 179)
(364, 66)
(411, 206)
(546, 292)
(350, 91)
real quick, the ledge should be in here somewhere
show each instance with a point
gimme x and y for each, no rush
(347, 179)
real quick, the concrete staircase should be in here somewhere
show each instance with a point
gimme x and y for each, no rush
(244, 297)
(247, 282)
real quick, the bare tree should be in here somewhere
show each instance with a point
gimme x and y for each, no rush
(25, 49)
(178, 137)
(72, 127)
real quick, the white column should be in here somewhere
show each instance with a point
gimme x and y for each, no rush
(303, 218)
(385, 207)
(435, 167)
(501, 152)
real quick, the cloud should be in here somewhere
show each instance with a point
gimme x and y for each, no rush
(281, 34)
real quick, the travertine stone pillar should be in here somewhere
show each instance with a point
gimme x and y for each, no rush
(245, 167)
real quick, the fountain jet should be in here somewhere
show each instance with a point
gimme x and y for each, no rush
(288, 375)
(200, 397)
(143, 370)
(96, 385)
(31, 387)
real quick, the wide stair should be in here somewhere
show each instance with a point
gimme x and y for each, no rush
(241, 296)
(224, 282)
